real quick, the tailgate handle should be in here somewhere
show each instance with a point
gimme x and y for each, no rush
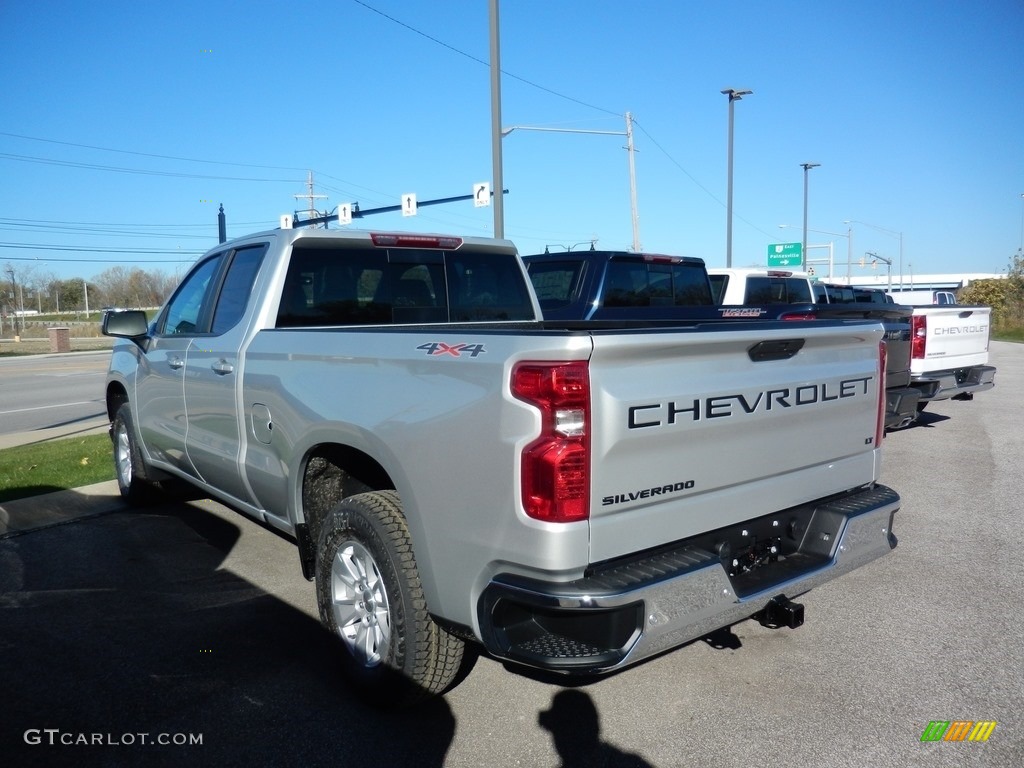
(777, 349)
(967, 313)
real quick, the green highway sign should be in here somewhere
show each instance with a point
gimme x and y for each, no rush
(785, 255)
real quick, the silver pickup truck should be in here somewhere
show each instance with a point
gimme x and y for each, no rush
(572, 496)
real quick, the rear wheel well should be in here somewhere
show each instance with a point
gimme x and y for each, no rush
(333, 473)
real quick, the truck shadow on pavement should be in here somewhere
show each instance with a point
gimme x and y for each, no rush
(127, 624)
(927, 419)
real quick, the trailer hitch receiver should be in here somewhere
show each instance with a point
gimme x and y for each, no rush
(781, 612)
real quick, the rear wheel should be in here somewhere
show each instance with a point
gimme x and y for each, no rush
(132, 474)
(370, 596)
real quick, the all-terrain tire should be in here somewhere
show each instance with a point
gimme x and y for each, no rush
(370, 596)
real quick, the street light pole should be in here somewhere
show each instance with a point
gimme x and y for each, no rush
(734, 96)
(632, 181)
(803, 250)
(496, 133)
(628, 133)
(1022, 223)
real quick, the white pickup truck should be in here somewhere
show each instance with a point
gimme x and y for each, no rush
(572, 496)
(949, 352)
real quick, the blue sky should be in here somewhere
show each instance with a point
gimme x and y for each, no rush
(915, 111)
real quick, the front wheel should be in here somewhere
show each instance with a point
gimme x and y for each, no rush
(370, 596)
(132, 474)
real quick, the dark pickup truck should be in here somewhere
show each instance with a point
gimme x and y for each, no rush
(621, 285)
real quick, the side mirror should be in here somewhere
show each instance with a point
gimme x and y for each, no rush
(125, 324)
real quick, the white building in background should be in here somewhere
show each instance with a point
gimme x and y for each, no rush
(891, 282)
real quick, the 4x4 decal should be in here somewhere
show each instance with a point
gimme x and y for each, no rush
(439, 348)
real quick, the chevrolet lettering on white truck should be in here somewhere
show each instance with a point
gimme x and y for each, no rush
(573, 496)
(949, 352)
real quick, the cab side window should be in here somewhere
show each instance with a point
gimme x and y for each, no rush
(185, 312)
(237, 286)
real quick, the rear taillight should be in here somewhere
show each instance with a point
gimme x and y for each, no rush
(883, 356)
(556, 466)
(918, 336)
(798, 316)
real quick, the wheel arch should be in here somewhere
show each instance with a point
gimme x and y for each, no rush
(330, 473)
(117, 396)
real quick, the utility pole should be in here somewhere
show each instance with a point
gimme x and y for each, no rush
(734, 96)
(14, 302)
(497, 170)
(803, 252)
(311, 211)
(632, 182)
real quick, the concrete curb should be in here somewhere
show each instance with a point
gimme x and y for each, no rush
(50, 509)
(53, 433)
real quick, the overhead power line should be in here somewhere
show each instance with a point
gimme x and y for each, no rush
(471, 57)
(118, 224)
(694, 180)
(87, 249)
(90, 231)
(140, 171)
(150, 154)
(148, 262)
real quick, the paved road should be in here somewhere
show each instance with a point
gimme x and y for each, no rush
(39, 392)
(189, 619)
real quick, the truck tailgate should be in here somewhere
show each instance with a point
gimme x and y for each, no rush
(698, 429)
(955, 337)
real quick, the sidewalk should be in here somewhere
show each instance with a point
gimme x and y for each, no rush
(49, 509)
(91, 427)
(35, 512)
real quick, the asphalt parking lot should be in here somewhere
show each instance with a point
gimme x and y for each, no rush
(128, 628)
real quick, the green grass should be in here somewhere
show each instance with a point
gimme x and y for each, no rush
(54, 465)
(1012, 334)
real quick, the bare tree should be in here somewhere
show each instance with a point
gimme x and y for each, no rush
(133, 287)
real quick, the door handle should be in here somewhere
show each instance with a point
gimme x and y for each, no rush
(176, 363)
(222, 367)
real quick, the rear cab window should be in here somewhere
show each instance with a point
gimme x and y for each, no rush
(777, 290)
(556, 283)
(330, 284)
(636, 283)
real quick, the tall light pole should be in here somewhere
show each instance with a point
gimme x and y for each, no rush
(1022, 223)
(734, 96)
(628, 133)
(496, 134)
(803, 250)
